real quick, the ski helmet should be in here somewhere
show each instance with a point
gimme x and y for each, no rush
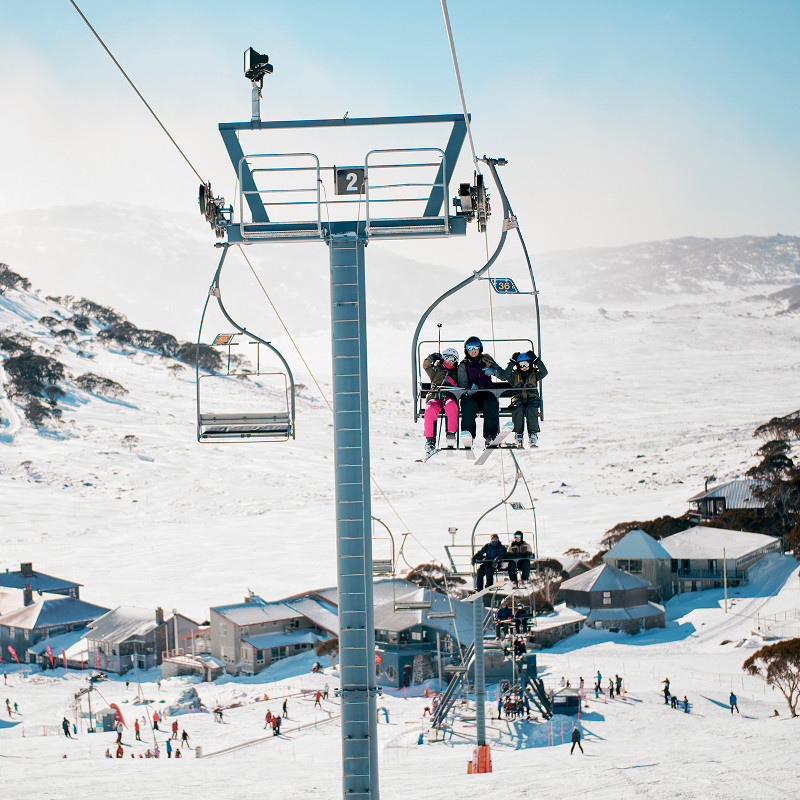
(523, 357)
(450, 353)
(473, 341)
(517, 534)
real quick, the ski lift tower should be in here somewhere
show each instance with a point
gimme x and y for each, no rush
(394, 193)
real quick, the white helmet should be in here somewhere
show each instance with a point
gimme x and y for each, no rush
(450, 353)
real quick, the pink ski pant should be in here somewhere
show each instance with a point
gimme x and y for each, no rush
(432, 411)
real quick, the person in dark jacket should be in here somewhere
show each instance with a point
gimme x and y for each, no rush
(504, 619)
(519, 558)
(442, 369)
(576, 739)
(524, 371)
(490, 556)
(475, 374)
(521, 617)
(733, 703)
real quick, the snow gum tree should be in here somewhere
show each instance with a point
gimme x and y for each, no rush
(779, 665)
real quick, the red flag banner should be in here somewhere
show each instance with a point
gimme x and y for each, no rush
(64, 656)
(98, 659)
(117, 714)
(13, 653)
(49, 651)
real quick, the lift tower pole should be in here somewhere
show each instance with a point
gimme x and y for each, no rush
(353, 515)
(415, 217)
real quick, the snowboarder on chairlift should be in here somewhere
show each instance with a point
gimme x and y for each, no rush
(519, 555)
(489, 557)
(475, 375)
(524, 371)
(442, 369)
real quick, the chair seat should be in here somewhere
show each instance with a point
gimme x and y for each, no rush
(249, 425)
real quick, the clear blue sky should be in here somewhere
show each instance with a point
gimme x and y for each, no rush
(623, 120)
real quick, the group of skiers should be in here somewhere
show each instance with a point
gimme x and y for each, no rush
(491, 556)
(474, 374)
(672, 699)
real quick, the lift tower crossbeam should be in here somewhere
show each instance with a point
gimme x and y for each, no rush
(346, 240)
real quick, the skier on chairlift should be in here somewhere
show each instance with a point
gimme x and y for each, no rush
(524, 371)
(519, 555)
(442, 369)
(490, 556)
(475, 375)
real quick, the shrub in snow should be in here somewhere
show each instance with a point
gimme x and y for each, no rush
(66, 335)
(50, 322)
(80, 322)
(30, 373)
(435, 577)
(88, 308)
(14, 343)
(779, 665)
(207, 357)
(128, 333)
(129, 441)
(96, 384)
(11, 280)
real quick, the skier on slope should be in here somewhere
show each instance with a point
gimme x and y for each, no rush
(576, 740)
(65, 728)
(733, 703)
(442, 369)
(489, 557)
(524, 371)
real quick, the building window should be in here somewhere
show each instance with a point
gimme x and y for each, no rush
(391, 673)
(223, 628)
(622, 563)
(392, 638)
(606, 598)
(278, 653)
(295, 623)
(417, 636)
(12, 632)
(712, 564)
(635, 565)
(259, 656)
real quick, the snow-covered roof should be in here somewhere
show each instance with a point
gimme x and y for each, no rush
(609, 614)
(322, 613)
(386, 593)
(123, 623)
(257, 611)
(64, 641)
(561, 615)
(637, 544)
(263, 641)
(737, 493)
(36, 580)
(604, 578)
(705, 542)
(48, 613)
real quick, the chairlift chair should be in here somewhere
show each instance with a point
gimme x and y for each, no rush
(217, 426)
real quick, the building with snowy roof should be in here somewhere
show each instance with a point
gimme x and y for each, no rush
(611, 598)
(42, 616)
(639, 554)
(127, 637)
(38, 582)
(739, 494)
(247, 637)
(698, 555)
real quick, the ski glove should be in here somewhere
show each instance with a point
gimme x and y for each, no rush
(435, 357)
(489, 371)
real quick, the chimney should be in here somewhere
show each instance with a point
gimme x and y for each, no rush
(26, 568)
(159, 615)
(27, 594)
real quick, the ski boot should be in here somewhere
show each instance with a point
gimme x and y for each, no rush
(450, 441)
(430, 446)
(533, 440)
(466, 440)
(518, 440)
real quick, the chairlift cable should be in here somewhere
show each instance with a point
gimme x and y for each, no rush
(133, 86)
(458, 80)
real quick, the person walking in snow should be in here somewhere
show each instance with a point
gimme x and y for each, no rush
(137, 730)
(268, 719)
(285, 708)
(325, 692)
(524, 371)
(442, 369)
(175, 729)
(500, 708)
(317, 698)
(65, 728)
(685, 704)
(619, 684)
(184, 738)
(475, 375)
(666, 695)
(8, 706)
(576, 740)
(119, 732)
(275, 725)
(610, 689)
(278, 726)
(169, 748)
(732, 701)
(155, 720)
(673, 701)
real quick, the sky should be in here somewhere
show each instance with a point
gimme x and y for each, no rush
(623, 121)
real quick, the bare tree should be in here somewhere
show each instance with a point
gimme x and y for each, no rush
(130, 441)
(330, 649)
(779, 665)
(547, 576)
(436, 577)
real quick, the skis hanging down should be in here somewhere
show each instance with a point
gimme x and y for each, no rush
(507, 430)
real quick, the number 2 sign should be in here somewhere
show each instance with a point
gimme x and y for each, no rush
(349, 180)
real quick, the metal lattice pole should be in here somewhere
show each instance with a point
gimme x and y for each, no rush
(353, 531)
